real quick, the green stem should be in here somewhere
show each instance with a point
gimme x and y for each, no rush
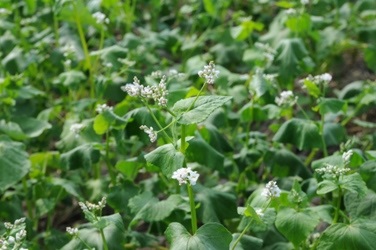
(338, 206)
(108, 162)
(83, 242)
(105, 246)
(159, 125)
(193, 209)
(56, 26)
(325, 150)
(199, 93)
(301, 109)
(29, 205)
(242, 234)
(182, 138)
(86, 50)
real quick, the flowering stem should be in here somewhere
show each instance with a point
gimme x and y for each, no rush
(105, 247)
(193, 209)
(338, 206)
(242, 234)
(159, 125)
(198, 94)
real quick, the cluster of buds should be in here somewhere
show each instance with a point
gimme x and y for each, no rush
(209, 73)
(158, 93)
(332, 171)
(286, 98)
(15, 235)
(101, 18)
(76, 128)
(150, 132)
(185, 175)
(103, 107)
(87, 206)
(72, 231)
(346, 156)
(271, 190)
(320, 79)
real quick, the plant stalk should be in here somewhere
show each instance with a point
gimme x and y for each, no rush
(193, 209)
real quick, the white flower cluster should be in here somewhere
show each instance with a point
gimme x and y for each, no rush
(16, 235)
(332, 171)
(290, 12)
(346, 156)
(185, 175)
(209, 73)
(68, 50)
(323, 78)
(259, 212)
(100, 18)
(76, 128)
(87, 206)
(158, 93)
(150, 132)
(103, 107)
(271, 190)
(72, 231)
(286, 98)
(268, 52)
(304, 2)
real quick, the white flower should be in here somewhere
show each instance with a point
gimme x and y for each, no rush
(304, 2)
(259, 212)
(20, 235)
(72, 231)
(100, 18)
(11, 240)
(286, 97)
(185, 175)
(19, 221)
(347, 156)
(209, 73)
(150, 132)
(290, 11)
(4, 11)
(332, 171)
(271, 190)
(103, 107)
(326, 77)
(76, 128)
(133, 89)
(87, 206)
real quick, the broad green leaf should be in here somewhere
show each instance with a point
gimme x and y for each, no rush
(326, 186)
(14, 162)
(119, 196)
(216, 205)
(210, 236)
(259, 85)
(299, 24)
(70, 78)
(81, 157)
(101, 125)
(335, 160)
(360, 234)
(296, 226)
(209, 7)
(200, 151)
(129, 168)
(111, 55)
(331, 105)
(361, 206)
(69, 186)
(149, 208)
(167, 158)
(32, 127)
(246, 242)
(304, 134)
(334, 134)
(12, 129)
(202, 108)
(354, 184)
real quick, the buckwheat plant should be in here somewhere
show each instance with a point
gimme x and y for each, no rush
(270, 192)
(286, 98)
(14, 236)
(93, 213)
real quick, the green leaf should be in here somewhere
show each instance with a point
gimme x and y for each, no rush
(304, 134)
(211, 236)
(312, 88)
(14, 162)
(334, 134)
(258, 84)
(354, 184)
(111, 55)
(296, 226)
(216, 205)
(70, 78)
(361, 206)
(331, 105)
(83, 157)
(167, 158)
(209, 7)
(32, 127)
(200, 151)
(360, 234)
(149, 208)
(326, 186)
(299, 24)
(202, 108)
(101, 124)
(12, 129)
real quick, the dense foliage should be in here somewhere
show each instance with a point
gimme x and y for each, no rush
(187, 124)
